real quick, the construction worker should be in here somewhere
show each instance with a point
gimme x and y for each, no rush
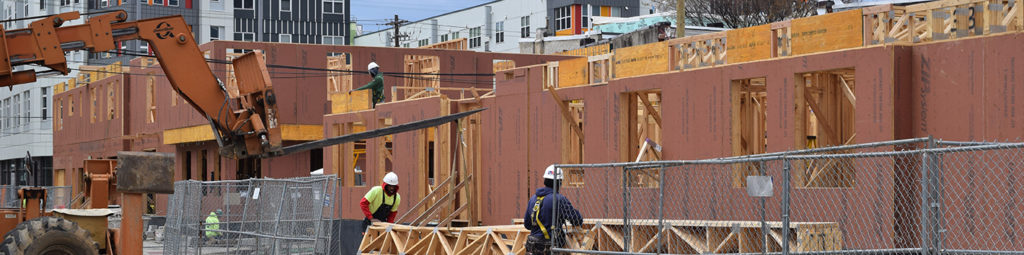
(380, 204)
(213, 223)
(538, 218)
(377, 84)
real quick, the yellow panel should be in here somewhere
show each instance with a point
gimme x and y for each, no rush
(834, 31)
(345, 102)
(563, 32)
(202, 133)
(302, 132)
(606, 11)
(749, 44)
(572, 72)
(588, 51)
(188, 134)
(640, 60)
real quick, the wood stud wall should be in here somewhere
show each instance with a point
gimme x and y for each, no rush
(749, 109)
(825, 105)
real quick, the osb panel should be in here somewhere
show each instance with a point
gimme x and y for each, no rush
(350, 102)
(572, 72)
(588, 51)
(834, 31)
(640, 60)
(749, 44)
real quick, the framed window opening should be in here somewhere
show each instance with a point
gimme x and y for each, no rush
(825, 116)
(749, 113)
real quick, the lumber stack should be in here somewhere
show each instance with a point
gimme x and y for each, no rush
(642, 236)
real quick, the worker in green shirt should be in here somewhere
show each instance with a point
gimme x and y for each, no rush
(377, 84)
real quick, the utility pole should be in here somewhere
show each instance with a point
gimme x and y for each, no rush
(396, 23)
(680, 18)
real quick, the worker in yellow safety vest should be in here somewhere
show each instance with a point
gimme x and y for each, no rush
(539, 219)
(380, 204)
(213, 223)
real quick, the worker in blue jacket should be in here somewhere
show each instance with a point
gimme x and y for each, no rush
(538, 218)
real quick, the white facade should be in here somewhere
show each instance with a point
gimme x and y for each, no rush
(499, 24)
(26, 110)
(216, 20)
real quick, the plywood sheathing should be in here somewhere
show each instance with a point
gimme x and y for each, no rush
(523, 120)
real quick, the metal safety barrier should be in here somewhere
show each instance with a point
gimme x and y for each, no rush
(257, 216)
(914, 196)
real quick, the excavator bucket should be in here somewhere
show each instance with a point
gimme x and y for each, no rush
(261, 133)
(145, 172)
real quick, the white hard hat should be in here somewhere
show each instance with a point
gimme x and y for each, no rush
(371, 66)
(391, 178)
(553, 173)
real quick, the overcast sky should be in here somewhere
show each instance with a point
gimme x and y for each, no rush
(370, 13)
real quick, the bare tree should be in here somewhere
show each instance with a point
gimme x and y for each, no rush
(741, 13)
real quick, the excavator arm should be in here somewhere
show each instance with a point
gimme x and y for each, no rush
(243, 119)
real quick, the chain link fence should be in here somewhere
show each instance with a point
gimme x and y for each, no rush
(256, 216)
(57, 197)
(914, 196)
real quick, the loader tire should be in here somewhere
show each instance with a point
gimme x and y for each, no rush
(48, 235)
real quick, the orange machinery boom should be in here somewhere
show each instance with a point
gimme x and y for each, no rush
(243, 118)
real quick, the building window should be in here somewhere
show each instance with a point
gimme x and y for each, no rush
(245, 36)
(26, 110)
(285, 38)
(286, 5)
(42, 4)
(455, 35)
(8, 118)
(334, 6)
(103, 3)
(499, 32)
(16, 110)
(616, 11)
(65, 2)
(45, 103)
(405, 45)
(171, 2)
(423, 42)
(524, 27)
(158, 2)
(563, 18)
(444, 37)
(333, 39)
(215, 32)
(243, 4)
(474, 37)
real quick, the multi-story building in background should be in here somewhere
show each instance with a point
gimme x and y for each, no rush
(497, 26)
(292, 21)
(26, 118)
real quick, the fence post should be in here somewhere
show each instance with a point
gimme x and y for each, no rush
(661, 206)
(277, 222)
(785, 205)
(626, 229)
(764, 227)
(931, 198)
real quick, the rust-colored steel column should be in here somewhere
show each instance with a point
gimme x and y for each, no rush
(131, 224)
